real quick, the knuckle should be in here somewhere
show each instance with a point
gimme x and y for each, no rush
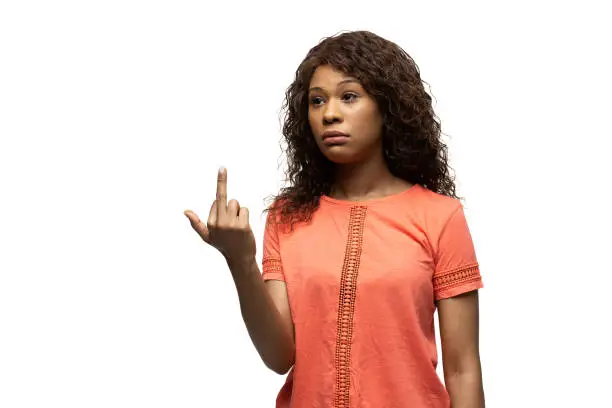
(228, 225)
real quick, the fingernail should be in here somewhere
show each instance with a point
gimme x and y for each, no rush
(221, 169)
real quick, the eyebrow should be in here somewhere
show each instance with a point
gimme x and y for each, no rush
(344, 81)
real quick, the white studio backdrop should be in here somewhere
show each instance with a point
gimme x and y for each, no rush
(115, 116)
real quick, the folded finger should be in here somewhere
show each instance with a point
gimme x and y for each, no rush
(233, 206)
(243, 216)
(212, 216)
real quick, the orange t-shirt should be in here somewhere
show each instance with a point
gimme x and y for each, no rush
(362, 280)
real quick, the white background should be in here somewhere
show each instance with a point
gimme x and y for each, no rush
(115, 115)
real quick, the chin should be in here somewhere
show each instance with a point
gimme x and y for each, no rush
(340, 156)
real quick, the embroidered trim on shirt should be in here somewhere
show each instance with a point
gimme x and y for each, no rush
(346, 307)
(456, 277)
(272, 265)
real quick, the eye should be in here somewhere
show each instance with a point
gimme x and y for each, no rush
(316, 100)
(349, 97)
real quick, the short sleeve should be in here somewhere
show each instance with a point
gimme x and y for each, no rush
(456, 267)
(271, 263)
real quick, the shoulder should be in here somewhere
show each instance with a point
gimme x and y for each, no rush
(436, 206)
(280, 217)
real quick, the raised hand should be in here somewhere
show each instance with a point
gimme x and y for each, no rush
(228, 227)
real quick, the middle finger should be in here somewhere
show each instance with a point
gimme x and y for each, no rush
(222, 192)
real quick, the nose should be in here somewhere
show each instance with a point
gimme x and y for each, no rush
(332, 112)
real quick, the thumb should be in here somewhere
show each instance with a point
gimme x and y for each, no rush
(198, 225)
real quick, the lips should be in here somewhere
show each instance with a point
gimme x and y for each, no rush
(333, 133)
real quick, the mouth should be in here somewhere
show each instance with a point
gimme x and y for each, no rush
(333, 133)
(331, 138)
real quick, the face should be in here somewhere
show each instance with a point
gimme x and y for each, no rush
(344, 118)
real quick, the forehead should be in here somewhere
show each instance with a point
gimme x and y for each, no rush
(326, 76)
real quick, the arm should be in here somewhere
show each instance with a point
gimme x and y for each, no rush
(264, 307)
(265, 311)
(459, 333)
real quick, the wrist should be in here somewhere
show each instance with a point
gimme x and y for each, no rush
(241, 265)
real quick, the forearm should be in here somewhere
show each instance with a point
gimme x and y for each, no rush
(271, 337)
(465, 389)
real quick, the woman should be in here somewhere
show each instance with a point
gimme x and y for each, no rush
(364, 244)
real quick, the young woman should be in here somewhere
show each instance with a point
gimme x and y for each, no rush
(368, 239)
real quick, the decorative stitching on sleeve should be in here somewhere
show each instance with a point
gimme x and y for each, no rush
(456, 277)
(272, 265)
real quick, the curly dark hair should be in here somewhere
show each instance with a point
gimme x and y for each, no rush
(413, 149)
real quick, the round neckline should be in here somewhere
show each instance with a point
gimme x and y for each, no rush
(371, 201)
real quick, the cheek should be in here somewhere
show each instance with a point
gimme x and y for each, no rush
(369, 118)
(312, 120)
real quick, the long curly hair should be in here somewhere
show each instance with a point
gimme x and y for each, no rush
(413, 149)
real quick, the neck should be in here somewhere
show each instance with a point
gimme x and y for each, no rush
(369, 178)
